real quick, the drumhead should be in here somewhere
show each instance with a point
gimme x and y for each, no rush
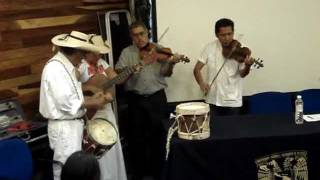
(102, 131)
(193, 108)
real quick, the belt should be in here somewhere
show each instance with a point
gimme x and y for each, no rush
(146, 95)
(78, 118)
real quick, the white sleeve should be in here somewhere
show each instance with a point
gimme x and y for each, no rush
(123, 59)
(204, 55)
(104, 63)
(84, 73)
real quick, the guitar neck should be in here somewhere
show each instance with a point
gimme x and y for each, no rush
(120, 77)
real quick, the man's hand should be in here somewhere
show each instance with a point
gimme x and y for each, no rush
(175, 58)
(98, 95)
(248, 61)
(100, 99)
(149, 57)
(108, 97)
(205, 88)
(137, 68)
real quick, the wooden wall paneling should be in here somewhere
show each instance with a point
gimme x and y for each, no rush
(36, 23)
(37, 68)
(102, 1)
(47, 27)
(9, 15)
(31, 85)
(10, 11)
(15, 72)
(23, 52)
(31, 110)
(29, 100)
(28, 95)
(10, 5)
(3, 25)
(22, 80)
(27, 69)
(24, 61)
(41, 36)
(7, 94)
(105, 7)
(10, 43)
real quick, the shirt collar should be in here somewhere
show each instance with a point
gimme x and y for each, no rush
(135, 47)
(219, 45)
(62, 58)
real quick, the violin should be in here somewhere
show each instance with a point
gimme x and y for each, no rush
(238, 53)
(155, 53)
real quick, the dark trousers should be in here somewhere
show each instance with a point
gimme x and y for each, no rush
(146, 133)
(224, 111)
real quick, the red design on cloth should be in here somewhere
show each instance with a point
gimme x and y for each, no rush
(21, 126)
(92, 69)
(100, 69)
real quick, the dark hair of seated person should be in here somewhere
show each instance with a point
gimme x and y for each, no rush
(81, 166)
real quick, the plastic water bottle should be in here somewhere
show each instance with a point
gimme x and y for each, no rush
(299, 110)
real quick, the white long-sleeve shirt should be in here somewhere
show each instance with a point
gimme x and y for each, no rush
(61, 94)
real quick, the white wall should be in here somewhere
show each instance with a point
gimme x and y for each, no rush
(285, 33)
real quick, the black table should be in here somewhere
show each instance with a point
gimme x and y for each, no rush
(248, 147)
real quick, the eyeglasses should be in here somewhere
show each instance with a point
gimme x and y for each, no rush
(142, 33)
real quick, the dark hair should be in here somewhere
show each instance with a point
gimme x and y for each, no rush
(224, 22)
(81, 166)
(137, 24)
(67, 50)
(70, 51)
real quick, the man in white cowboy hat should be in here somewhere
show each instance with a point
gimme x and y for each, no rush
(61, 98)
(111, 163)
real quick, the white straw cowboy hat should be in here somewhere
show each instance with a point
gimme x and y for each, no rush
(98, 41)
(79, 40)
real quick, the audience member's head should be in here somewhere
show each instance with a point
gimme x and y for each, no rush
(81, 166)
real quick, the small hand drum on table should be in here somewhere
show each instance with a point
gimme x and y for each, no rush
(193, 120)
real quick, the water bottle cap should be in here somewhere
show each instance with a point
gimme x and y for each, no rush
(299, 97)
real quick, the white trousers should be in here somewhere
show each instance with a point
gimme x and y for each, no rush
(65, 138)
(111, 163)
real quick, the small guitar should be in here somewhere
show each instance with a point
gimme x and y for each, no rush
(101, 82)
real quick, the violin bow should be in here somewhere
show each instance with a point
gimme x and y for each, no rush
(228, 56)
(185, 59)
(164, 33)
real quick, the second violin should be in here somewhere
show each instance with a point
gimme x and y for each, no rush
(238, 53)
(156, 53)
